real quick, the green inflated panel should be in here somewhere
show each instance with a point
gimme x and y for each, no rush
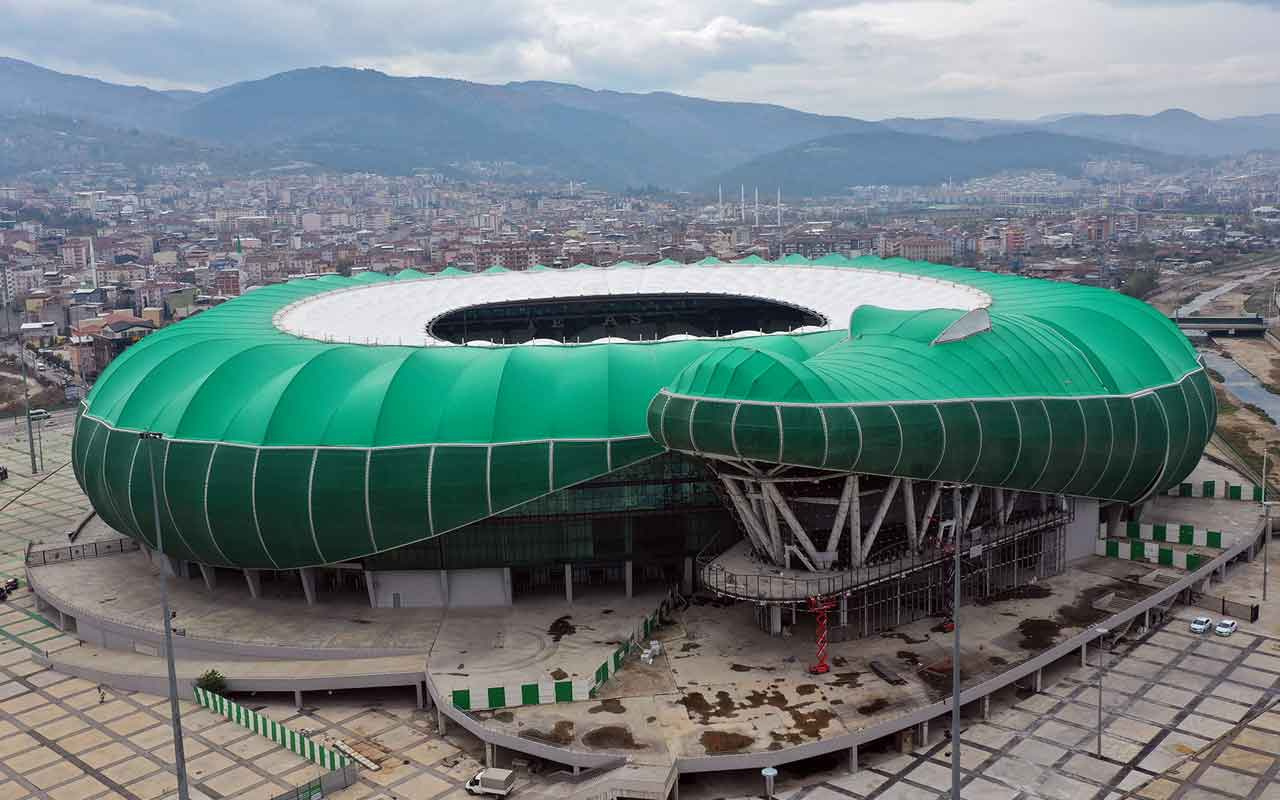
(653, 415)
(575, 462)
(675, 423)
(1151, 448)
(712, 431)
(1068, 444)
(1124, 431)
(629, 451)
(231, 507)
(1036, 442)
(1097, 446)
(121, 447)
(881, 441)
(844, 441)
(1175, 408)
(186, 467)
(337, 504)
(519, 473)
(80, 444)
(459, 489)
(398, 495)
(96, 485)
(140, 492)
(966, 442)
(1000, 442)
(1193, 435)
(803, 439)
(284, 518)
(756, 432)
(922, 430)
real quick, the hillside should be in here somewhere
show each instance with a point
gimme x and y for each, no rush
(28, 89)
(830, 165)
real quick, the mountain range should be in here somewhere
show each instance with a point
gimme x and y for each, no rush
(352, 119)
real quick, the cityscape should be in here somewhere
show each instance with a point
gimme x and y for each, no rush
(388, 432)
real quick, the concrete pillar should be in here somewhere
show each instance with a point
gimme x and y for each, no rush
(488, 754)
(174, 567)
(297, 698)
(775, 620)
(1146, 620)
(444, 587)
(568, 583)
(308, 575)
(417, 689)
(686, 582)
(844, 620)
(793, 615)
(507, 593)
(627, 575)
(62, 620)
(986, 707)
(1037, 681)
(441, 727)
(253, 577)
(922, 734)
(210, 576)
(1084, 655)
(370, 586)
(576, 769)
(853, 758)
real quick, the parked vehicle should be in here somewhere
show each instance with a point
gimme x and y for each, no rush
(498, 782)
(1201, 624)
(10, 585)
(1226, 627)
(38, 414)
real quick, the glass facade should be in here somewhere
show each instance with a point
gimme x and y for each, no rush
(655, 512)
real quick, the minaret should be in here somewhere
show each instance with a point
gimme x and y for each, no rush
(779, 206)
(757, 206)
(742, 200)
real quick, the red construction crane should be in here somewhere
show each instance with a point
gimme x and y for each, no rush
(820, 606)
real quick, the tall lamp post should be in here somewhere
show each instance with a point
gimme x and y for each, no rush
(26, 399)
(179, 756)
(957, 511)
(1266, 524)
(1102, 632)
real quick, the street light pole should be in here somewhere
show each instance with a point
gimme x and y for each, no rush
(958, 515)
(179, 756)
(26, 399)
(1266, 524)
(1101, 633)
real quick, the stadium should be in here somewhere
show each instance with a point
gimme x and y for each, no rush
(516, 483)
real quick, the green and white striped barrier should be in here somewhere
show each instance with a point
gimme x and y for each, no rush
(1170, 533)
(564, 691)
(264, 726)
(1219, 489)
(1151, 552)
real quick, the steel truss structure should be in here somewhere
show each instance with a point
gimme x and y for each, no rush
(881, 545)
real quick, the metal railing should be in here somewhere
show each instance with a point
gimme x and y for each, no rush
(761, 585)
(320, 787)
(75, 552)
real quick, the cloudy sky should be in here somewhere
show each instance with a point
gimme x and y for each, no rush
(871, 59)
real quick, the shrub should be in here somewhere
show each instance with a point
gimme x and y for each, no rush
(212, 681)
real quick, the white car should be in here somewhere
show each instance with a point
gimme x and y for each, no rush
(1226, 627)
(1201, 624)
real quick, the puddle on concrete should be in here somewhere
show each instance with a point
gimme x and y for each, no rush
(997, 661)
(878, 704)
(561, 628)
(847, 680)
(559, 674)
(717, 742)
(504, 716)
(806, 689)
(1038, 634)
(610, 706)
(839, 661)
(689, 647)
(910, 657)
(612, 737)
(749, 668)
(1030, 591)
(560, 734)
(696, 703)
(906, 637)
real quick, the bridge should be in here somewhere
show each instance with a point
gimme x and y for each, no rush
(1231, 326)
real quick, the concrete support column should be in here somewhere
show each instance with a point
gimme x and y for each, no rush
(210, 576)
(986, 707)
(686, 582)
(441, 727)
(922, 734)
(253, 577)
(488, 754)
(568, 583)
(853, 758)
(62, 620)
(775, 620)
(297, 699)
(1084, 655)
(308, 575)
(844, 620)
(576, 769)
(506, 585)
(417, 689)
(1037, 681)
(174, 567)
(627, 575)
(371, 586)
(1146, 620)
(444, 587)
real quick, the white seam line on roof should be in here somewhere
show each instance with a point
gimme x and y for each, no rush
(826, 437)
(902, 442)
(693, 409)
(1017, 418)
(431, 521)
(488, 479)
(781, 441)
(733, 430)
(942, 451)
(1048, 453)
(311, 512)
(368, 512)
(208, 522)
(857, 423)
(978, 459)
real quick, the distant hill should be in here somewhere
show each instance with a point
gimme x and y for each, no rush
(829, 166)
(350, 119)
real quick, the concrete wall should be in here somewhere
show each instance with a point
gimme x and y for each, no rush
(455, 588)
(1082, 533)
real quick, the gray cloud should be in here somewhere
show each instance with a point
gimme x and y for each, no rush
(870, 58)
